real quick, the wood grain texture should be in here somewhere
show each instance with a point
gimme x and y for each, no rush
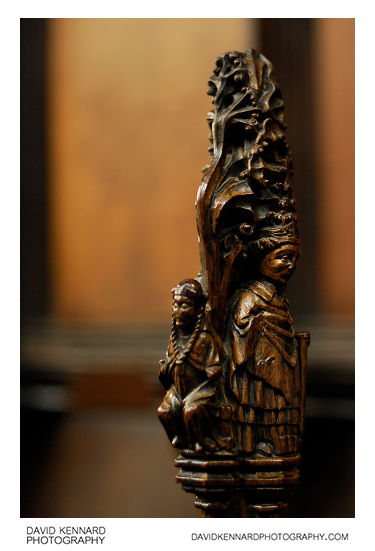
(235, 368)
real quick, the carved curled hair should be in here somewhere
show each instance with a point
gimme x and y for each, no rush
(268, 244)
(190, 288)
(179, 354)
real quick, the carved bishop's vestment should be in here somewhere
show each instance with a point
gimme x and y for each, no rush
(265, 370)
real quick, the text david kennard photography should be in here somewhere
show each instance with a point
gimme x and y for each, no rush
(65, 534)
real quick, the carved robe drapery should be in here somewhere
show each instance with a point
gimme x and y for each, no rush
(265, 369)
(243, 426)
(190, 409)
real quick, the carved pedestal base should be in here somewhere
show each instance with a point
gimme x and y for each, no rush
(228, 485)
(235, 368)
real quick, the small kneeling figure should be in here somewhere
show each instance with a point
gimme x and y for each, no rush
(191, 373)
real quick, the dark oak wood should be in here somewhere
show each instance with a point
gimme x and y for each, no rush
(235, 368)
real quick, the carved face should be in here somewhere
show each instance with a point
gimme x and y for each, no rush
(279, 264)
(184, 311)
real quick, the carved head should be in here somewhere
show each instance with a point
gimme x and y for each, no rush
(188, 300)
(279, 264)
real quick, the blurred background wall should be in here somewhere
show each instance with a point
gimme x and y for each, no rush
(113, 140)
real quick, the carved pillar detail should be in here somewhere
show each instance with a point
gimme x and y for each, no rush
(235, 368)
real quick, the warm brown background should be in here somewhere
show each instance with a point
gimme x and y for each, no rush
(335, 131)
(113, 140)
(127, 114)
(127, 108)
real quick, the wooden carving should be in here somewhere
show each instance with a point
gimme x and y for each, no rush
(235, 367)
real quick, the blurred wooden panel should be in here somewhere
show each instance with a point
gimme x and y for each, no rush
(114, 390)
(334, 84)
(102, 465)
(33, 272)
(128, 140)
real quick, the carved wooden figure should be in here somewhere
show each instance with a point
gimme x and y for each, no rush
(235, 367)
